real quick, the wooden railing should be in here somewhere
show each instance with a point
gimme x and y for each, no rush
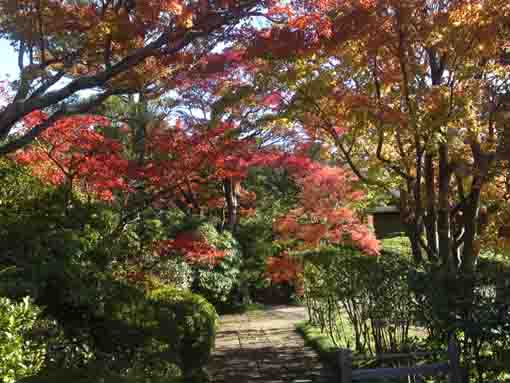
(450, 367)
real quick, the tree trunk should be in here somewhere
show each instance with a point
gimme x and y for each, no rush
(431, 215)
(232, 200)
(408, 216)
(471, 217)
(443, 219)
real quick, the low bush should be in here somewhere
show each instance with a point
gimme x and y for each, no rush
(219, 283)
(475, 309)
(187, 323)
(164, 333)
(161, 334)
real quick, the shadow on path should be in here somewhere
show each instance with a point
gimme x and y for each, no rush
(262, 346)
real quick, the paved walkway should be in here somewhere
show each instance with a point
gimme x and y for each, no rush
(262, 346)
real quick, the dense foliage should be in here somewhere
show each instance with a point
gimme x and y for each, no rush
(388, 304)
(370, 294)
(20, 355)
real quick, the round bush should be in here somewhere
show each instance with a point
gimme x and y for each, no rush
(187, 323)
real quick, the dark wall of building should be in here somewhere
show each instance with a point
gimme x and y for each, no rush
(387, 224)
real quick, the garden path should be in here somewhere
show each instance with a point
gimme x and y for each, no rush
(263, 346)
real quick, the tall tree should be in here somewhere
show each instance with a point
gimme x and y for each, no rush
(412, 95)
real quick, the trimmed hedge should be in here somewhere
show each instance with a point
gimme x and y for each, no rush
(166, 335)
(362, 302)
(322, 344)
(187, 323)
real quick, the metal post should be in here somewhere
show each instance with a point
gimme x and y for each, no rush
(345, 366)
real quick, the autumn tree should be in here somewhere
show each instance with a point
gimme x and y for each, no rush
(107, 47)
(411, 95)
(220, 92)
(326, 211)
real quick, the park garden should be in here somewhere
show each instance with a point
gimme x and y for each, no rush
(166, 162)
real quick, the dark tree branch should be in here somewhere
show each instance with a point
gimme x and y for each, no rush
(48, 84)
(28, 137)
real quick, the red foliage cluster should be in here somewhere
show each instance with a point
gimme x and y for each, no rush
(184, 164)
(220, 62)
(273, 100)
(280, 43)
(325, 212)
(72, 151)
(195, 250)
(284, 268)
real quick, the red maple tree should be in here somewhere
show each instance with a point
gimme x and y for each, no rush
(73, 152)
(326, 211)
(194, 249)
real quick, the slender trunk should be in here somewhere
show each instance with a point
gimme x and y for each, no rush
(431, 215)
(443, 219)
(414, 237)
(408, 216)
(232, 204)
(470, 217)
(418, 203)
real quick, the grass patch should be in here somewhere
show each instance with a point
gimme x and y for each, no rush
(400, 245)
(321, 343)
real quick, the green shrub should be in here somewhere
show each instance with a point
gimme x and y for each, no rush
(187, 323)
(20, 356)
(162, 335)
(360, 301)
(174, 272)
(70, 255)
(475, 308)
(219, 283)
(256, 238)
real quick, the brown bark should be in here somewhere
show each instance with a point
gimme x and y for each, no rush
(431, 214)
(443, 219)
(407, 211)
(168, 43)
(232, 200)
(470, 243)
